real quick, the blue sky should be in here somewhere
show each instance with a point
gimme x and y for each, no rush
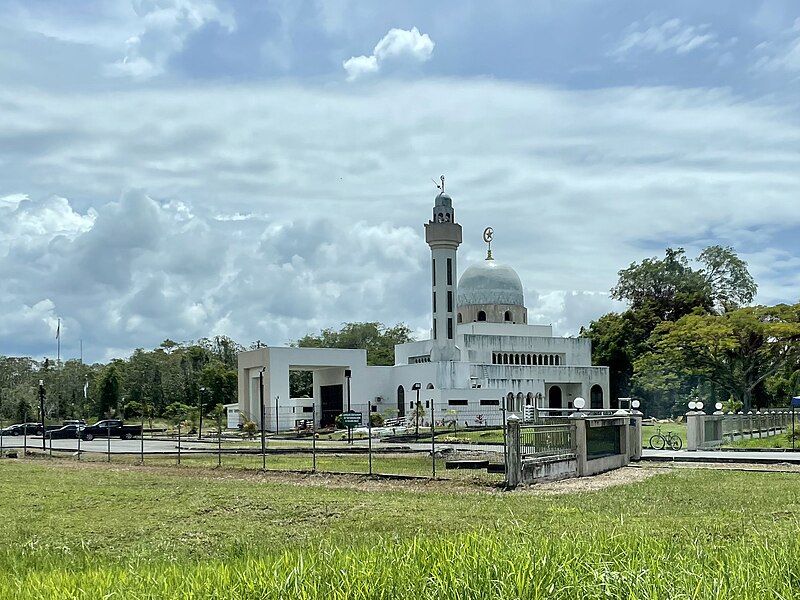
(179, 168)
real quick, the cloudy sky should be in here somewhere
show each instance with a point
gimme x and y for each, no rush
(181, 168)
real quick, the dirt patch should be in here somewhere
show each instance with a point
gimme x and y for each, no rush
(594, 483)
(296, 478)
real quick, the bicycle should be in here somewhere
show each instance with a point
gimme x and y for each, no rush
(671, 440)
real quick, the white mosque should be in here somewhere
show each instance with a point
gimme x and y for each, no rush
(482, 353)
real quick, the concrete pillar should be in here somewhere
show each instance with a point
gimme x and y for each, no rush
(635, 431)
(513, 452)
(578, 421)
(695, 430)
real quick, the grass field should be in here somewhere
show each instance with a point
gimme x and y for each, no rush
(782, 440)
(94, 531)
(412, 464)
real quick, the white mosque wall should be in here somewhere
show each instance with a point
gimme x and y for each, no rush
(404, 352)
(572, 351)
(507, 329)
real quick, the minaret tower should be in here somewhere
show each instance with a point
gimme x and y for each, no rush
(443, 235)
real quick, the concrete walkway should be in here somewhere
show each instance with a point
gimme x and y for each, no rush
(764, 457)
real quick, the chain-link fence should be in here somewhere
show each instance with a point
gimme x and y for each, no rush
(456, 444)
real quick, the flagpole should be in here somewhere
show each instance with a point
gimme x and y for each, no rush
(58, 338)
(81, 351)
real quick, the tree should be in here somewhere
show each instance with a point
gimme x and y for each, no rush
(736, 351)
(108, 399)
(727, 276)
(22, 411)
(658, 291)
(178, 412)
(670, 288)
(220, 383)
(618, 339)
(377, 339)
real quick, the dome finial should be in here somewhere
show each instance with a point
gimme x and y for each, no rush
(487, 237)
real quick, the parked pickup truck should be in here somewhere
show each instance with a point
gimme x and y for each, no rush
(111, 428)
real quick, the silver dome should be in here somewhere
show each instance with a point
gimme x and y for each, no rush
(490, 282)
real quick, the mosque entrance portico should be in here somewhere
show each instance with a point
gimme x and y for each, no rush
(273, 365)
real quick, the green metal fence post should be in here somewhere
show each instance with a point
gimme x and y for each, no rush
(314, 439)
(433, 439)
(369, 434)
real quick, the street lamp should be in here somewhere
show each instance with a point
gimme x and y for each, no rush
(416, 387)
(200, 407)
(579, 403)
(41, 408)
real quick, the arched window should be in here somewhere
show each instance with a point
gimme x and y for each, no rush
(508, 315)
(528, 359)
(401, 402)
(430, 386)
(552, 359)
(529, 399)
(481, 315)
(554, 397)
(596, 397)
(539, 359)
(505, 359)
(458, 319)
(558, 360)
(516, 359)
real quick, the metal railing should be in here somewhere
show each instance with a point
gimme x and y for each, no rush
(551, 416)
(546, 440)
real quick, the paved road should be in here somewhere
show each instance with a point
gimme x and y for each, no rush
(763, 457)
(169, 446)
(98, 445)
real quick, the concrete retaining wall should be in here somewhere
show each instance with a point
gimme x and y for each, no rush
(549, 468)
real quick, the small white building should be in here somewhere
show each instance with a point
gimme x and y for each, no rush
(482, 352)
(232, 415)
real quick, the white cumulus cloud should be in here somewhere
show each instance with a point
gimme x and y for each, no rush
(164, 27)
(397, 44)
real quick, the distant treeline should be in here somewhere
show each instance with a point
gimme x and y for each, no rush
(174, 381)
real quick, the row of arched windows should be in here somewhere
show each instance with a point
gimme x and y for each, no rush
(502, 358)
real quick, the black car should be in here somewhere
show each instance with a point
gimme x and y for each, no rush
(67, 432)
(111, 428)
(22, 429)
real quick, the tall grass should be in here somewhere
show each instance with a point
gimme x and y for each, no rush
(123, 532)
(482, 564)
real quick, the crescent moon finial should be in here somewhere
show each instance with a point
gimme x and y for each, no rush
(488, 234)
